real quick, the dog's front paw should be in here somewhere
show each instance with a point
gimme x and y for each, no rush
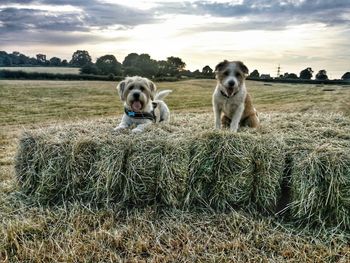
(136, 130)
(118, 129)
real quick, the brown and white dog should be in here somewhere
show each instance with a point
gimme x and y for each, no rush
(232, 104)
(142, 104)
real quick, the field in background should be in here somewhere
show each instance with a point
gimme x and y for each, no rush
(30, 102)
(66, 235)
(54, 70)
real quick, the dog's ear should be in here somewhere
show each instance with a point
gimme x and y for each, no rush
(153, 88)
(121, 88)
(243, 67)
(220, 66)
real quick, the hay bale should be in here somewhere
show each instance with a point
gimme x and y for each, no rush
(269, 158)
(56, 171)
(234, 170)
(49, 163)
(26, 164)
(321, 187)
(183, 165)
(111, 180)
(156, 172)
(81, 172)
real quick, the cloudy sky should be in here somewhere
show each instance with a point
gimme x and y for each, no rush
(262, 33)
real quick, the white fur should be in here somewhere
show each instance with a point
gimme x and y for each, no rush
(162, 111)
(232, 106)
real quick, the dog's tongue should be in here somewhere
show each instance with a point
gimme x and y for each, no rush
(136, 106)
(229, 92)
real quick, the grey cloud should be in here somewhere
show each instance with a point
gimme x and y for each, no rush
(93, 14)
(14, 19)
(33, 22)
(111, 14)
(287, 12)
(250, 15)
(54, 38)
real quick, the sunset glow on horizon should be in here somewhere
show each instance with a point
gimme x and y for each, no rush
(293, 33)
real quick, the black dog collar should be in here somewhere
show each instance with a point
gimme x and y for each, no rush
(223, 94)
(141, 115)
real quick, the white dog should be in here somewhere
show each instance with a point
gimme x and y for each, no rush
(232, 104)
(142, 105)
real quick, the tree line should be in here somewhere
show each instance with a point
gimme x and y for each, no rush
(305, 74)
(133, 64)
(139, 64)
(18, 59)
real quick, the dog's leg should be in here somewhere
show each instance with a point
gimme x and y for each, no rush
(123, 124)
(237, 115)
(217, 115)
(141, 127)
(225, 122)
(253, 121)
(164, 113)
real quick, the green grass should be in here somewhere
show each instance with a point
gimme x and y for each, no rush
(55, 70)
(30, 102)
(79, 233)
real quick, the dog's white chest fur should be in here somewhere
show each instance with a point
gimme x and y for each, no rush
(229, 105)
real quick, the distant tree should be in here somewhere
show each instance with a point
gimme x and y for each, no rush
(306, 73)
(266, 76)
(80, 58)
(33, 61)
(89, 68)
(163, 68)
(292, 76)
(254, 74)
(132, 71)
(64, 63)
(346, 76)
(207, 70)
(322, 75)
(148, 66)
(55, 61)
(108, 64)
(130, 60)
(41, 58)
(289, 76)
(176, 64)
(142, 65)
(5, 59)
(23, 59)
(196, 73)
(187, 73)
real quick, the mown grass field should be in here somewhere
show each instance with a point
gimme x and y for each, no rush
(33, 233)
(54, 70)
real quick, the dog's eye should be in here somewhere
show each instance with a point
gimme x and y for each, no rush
(131, 87)
(226, 73)
(237, 74)
(142, 88)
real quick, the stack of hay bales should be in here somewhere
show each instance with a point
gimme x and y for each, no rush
(321, 186)
(127, 171)
(187, 165)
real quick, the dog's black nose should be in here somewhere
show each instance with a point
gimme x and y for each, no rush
(231, 83)
(136, 95)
